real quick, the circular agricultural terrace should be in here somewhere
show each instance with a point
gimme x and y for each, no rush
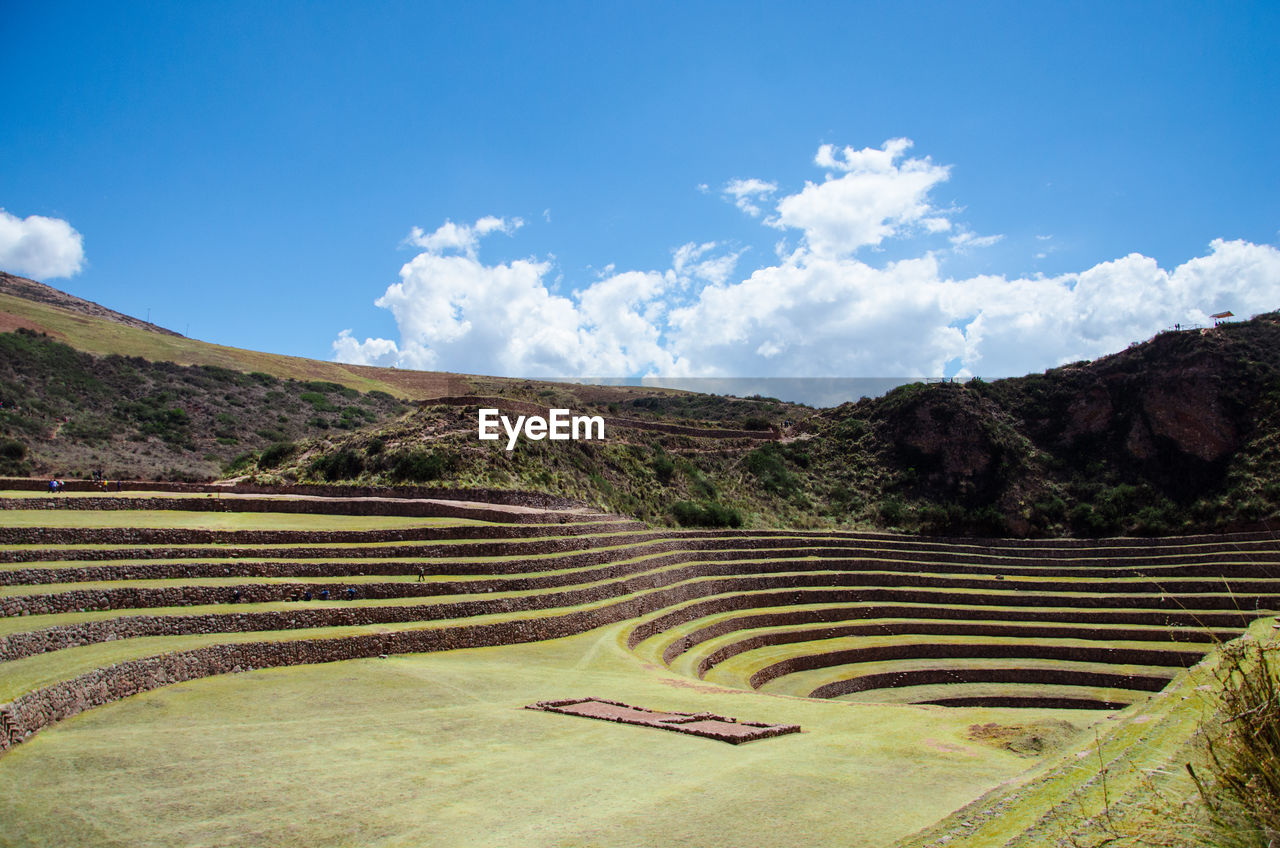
(855, 616)
(456, 610)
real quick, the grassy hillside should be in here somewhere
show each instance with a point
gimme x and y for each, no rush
(1148, 776)
(64, 413)
(92, 328)
(1180, 434)
(103, 337)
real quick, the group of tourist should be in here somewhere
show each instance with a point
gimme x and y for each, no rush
(98, 478)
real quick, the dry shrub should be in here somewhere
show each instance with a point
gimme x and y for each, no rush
(1242, 789)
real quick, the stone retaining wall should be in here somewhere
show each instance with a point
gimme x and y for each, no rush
(1044, 677)
(1246, 594)
(1102, 655)
(1049, 546)
(305, 615)
(144, 570)
(518, 548)
(407, 509)
(174, 536)
(703, 607)
(23, 644)
(1028, 703)
(36, 710)
(1066, 630)
(508, 497)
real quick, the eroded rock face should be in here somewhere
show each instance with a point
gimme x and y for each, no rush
(953, 438)
(948, 438)
(1190, 413)
(1172, 422)
(1138, 442)
(1090, 414)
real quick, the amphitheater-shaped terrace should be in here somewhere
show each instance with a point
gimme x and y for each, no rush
(104, 596)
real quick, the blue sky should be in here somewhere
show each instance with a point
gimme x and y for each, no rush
(1078, 176)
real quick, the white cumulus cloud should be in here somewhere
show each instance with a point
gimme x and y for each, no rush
(818, 310)
(455, 312)
(381, 352)
(868, 196)
(461, 237)
(40, 247)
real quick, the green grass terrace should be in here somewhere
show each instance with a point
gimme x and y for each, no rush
(237, 618)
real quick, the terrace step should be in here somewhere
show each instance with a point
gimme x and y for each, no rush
(849, 615)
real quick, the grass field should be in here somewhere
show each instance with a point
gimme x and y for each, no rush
(434, 750)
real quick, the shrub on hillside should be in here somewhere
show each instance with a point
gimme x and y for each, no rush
(770, 468)
(344, 464)
(240, 463)
(421, 465)
(324, 387)
(13, 455)
(892, 511)
(943, 519)
(275, 454)
(318, 402)
(711, 514)
(664, 468)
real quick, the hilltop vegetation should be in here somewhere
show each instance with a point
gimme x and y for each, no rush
(655, 476)
(93, 328)
(1180, 434)
(66, 413)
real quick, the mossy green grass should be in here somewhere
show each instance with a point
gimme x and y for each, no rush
(434, 749)
(1125, 785)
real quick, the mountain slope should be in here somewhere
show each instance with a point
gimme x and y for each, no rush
(25, 289)
(1175, 434)
(84, 388)
(95, 329)
(1179, 434)
(68, 413)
